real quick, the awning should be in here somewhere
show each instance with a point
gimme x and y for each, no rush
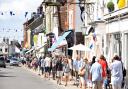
(61, 38)
(38, 48)
(30, 50)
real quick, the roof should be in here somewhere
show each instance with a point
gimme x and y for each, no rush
(3, 44)
(29, 21)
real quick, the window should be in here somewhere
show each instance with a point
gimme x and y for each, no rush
(6, 50)
(0, 49)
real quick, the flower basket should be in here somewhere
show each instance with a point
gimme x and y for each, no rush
(110, 6)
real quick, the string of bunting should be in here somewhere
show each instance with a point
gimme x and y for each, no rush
(12, 13)
(8, 30)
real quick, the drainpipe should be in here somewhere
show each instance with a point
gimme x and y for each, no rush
(59, 19)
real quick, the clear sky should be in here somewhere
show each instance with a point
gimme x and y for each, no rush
(12, 26)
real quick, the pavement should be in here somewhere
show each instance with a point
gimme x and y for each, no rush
(69, 86)
(14, 77)
(70, 83)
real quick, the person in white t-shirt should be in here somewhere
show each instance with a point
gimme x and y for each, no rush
(116, 73)
(47, 66)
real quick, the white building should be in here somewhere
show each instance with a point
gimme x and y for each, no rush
(3, 48)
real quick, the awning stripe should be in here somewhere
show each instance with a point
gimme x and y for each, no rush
(54, 46)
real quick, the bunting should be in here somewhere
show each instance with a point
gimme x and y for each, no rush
(10, 30)
(94, 36)
(12, 13)
(26, 13)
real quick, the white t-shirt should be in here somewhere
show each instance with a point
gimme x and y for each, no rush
(47, 62)
(116, 72)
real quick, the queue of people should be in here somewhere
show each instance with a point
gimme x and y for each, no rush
(96, 74)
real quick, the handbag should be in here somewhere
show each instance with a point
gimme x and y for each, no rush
(81, 72)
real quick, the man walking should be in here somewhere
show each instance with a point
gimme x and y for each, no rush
(96, 75)
(116, 73)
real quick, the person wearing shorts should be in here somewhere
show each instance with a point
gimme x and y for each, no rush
(66, 70)
(47, 67)
(59, 68)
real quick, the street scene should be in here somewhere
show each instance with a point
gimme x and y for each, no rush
(64, 44)
(19, 78)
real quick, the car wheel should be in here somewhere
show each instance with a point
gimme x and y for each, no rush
(4, 66)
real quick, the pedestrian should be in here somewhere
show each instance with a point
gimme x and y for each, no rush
(84, 73)
(116, 73)
(103, 63)
(96, 75)
(59, 68)
(66, 70)
(39, 65)
(93, 60)
(54, 60)
(70, 61)
(47, 66)
(42, 65)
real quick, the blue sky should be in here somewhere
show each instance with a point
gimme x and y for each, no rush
(12, 26)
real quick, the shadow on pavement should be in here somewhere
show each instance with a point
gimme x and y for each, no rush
(6, 76)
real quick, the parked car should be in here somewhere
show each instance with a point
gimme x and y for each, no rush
(2, 62)
(8, 59)
(14, 62)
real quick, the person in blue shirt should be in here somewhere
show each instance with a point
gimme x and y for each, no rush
(96, 75)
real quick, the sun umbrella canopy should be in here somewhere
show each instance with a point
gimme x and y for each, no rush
(79, 47)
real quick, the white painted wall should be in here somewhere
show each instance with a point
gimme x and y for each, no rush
(118, 26)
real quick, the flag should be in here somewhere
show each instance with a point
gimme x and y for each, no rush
(94, 36)
(26, 14)
(35, 39)
(121, 4)
(2, 13)
(90, 29)
(91, 46)
(11, 13)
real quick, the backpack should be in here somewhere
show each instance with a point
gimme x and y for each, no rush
(124, 72)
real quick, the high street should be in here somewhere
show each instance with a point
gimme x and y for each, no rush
(19, 78)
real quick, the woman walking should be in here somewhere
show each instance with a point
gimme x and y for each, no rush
(66, 70)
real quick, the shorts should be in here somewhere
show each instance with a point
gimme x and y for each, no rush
(66, 74)
(59, 73)
(47, 69)
(82, 81)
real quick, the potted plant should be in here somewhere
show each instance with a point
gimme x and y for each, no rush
(110, 6)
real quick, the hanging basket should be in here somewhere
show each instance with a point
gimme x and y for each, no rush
(110, 6)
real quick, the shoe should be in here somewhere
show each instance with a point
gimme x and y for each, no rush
(59, 83)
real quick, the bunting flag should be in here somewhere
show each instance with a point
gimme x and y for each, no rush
(26, 13)
(121, 3)
(35, 39)
(91, 46)
(94, 36)
(11, 13)
(2, 13)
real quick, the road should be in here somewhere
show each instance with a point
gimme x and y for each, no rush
(19, 78)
